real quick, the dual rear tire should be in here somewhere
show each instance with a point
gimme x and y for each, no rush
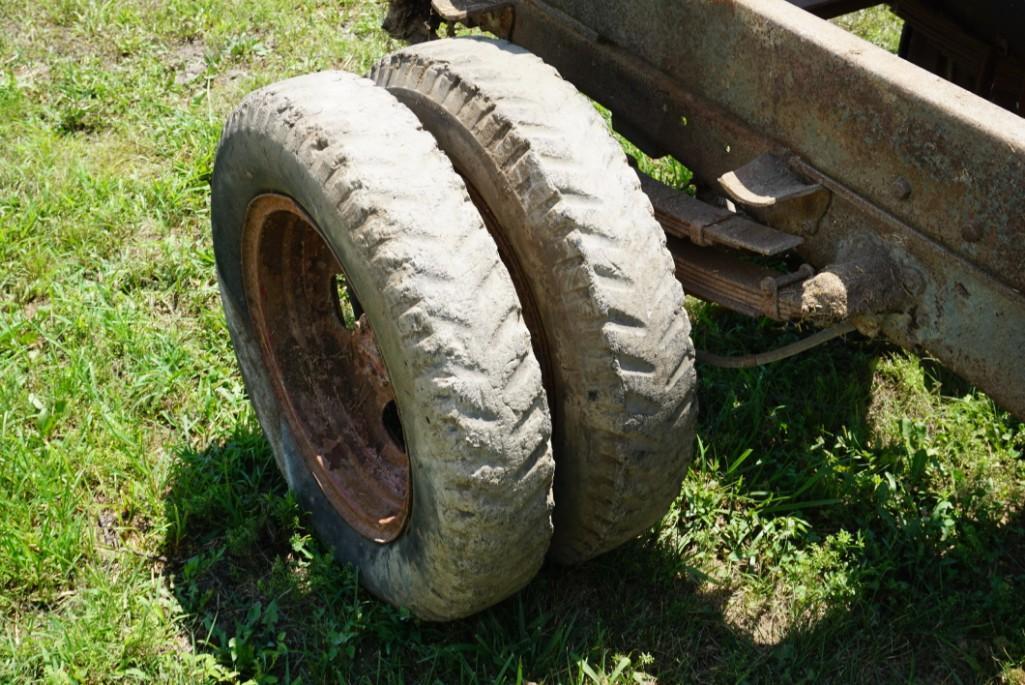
(389, 303)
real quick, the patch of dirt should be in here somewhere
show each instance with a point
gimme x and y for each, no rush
(231, 76)
(183, 644)
(32, 307)
(189, 61)
(108, 531)
(764, 621)
(893, 395)
(29, 75)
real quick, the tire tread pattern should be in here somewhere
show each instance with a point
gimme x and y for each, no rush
(613, 308)
(458, 327)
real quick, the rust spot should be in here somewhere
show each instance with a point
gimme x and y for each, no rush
(327, 373)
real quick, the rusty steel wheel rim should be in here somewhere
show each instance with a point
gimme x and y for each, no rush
(326, 369)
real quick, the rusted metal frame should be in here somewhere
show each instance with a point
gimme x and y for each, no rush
(932, 177)
(761, 75)
(467, 10)
(495, 16)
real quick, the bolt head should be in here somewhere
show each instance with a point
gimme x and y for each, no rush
(902, 188)
(972, 232)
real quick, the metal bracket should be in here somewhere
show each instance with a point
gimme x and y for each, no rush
(766, 181)
(771, 285)
(453, 11)
(769, 188)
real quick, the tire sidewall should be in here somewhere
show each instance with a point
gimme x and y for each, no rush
(250, 164)
(587, 244)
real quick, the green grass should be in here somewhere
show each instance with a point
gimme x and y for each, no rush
(854, 514)
(878, 25)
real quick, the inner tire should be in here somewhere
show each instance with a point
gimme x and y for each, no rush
(413, 426)
(592, 270)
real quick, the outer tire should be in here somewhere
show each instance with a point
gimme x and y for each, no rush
(590, 263)
(446, 320)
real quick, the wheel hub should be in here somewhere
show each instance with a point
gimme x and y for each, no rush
(325, 367)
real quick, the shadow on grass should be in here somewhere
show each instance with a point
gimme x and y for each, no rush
(934, 594)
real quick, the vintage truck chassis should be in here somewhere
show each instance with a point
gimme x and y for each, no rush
(903, 191)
